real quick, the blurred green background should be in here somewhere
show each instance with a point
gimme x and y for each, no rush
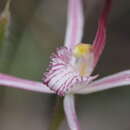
(36, 28)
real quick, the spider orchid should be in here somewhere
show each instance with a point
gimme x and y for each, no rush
(71, 66)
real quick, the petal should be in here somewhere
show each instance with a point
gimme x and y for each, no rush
(100, 38)
(75, 22)
(61, 75)
(79, 86)
(112, 81)
(13, 82)
(69, 107)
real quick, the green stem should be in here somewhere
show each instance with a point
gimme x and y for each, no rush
(9, 49)
(58, 115)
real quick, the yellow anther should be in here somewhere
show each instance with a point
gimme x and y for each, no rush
(82, 49)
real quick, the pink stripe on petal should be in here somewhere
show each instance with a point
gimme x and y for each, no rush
(69, 107)
(75, 22)
(100, 38)
(13, 82)
(112, 81)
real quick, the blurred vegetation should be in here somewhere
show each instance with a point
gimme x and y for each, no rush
(24, 51)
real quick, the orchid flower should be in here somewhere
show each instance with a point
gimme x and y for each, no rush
(71, 67)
